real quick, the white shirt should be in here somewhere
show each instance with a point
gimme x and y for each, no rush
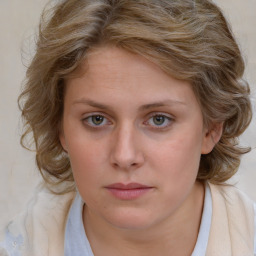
(77, 244)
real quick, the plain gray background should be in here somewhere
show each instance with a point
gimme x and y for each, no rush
(18, 23)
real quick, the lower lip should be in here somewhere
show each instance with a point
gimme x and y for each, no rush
(129, 194)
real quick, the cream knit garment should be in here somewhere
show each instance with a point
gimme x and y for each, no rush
(232, 228)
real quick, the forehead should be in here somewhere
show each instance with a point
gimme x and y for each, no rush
(111, 73)
(113, 63)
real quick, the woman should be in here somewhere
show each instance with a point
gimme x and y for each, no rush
(135, 108)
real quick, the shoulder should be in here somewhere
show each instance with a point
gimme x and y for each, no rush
(39, 226)
(231, 196)
(236, 204)
(233, 219)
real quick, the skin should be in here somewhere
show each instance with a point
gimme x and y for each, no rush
(125, 120)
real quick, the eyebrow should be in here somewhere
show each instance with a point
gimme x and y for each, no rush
(161, 104)
(95, 104)
(91, 103)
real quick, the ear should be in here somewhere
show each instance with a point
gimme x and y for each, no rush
(62, 139)
(63, 142)
(212, 135)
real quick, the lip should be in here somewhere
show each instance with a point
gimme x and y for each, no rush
(128, 191)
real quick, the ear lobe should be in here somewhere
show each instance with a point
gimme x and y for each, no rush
(63, 141)
(211, 138)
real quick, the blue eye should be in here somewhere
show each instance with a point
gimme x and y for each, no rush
(96, 120)
(159, 121)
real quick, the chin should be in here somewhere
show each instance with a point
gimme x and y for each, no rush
(130, 221)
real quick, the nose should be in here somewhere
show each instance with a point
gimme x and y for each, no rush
(126, 153)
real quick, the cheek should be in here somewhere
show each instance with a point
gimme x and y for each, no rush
(87, 158)
(87, 171)
(178, 157)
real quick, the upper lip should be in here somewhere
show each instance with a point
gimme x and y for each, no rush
(127, 186)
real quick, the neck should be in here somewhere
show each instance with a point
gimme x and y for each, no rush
(165, 238)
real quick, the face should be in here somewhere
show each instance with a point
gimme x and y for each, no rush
(134, 136)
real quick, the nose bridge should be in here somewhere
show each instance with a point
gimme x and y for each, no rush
(125, 152)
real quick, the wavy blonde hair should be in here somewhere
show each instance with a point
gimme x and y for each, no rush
(190, 40)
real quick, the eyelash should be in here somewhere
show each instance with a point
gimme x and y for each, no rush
(89, 122)
(166, 117)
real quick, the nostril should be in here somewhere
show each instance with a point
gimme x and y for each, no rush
(115, 164)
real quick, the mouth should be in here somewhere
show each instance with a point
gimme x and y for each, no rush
(129, 191)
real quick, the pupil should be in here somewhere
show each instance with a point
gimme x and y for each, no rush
(97, 119)
(158, 120)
